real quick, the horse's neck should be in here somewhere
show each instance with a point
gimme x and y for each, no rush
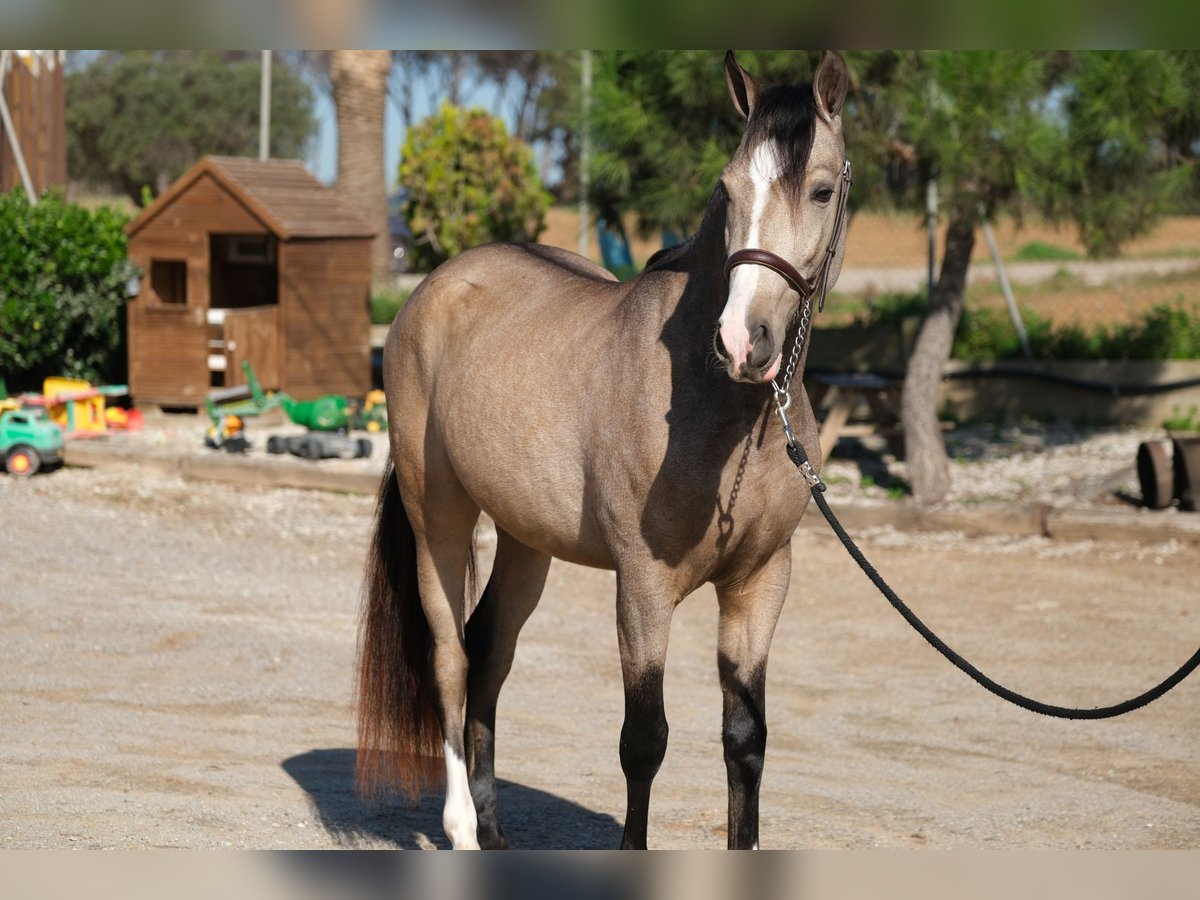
(702, 258)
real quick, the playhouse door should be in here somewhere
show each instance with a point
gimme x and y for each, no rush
(252, 335)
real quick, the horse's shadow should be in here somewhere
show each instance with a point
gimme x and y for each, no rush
(531, 818)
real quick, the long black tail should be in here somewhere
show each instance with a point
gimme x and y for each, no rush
(399, 736)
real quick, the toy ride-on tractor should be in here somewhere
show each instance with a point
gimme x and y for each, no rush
(328, 419)
(320, 445)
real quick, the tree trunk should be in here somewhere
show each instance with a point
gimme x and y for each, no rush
(360, 79)
(924, 447)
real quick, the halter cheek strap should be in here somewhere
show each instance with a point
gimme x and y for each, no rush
(788, 272)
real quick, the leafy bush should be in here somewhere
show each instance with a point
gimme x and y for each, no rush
(63, 273)
(1167, 331)
(386, 303)
(892, 309)
(985, 334)
(468, 183)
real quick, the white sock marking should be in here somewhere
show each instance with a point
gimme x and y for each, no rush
(458, 814)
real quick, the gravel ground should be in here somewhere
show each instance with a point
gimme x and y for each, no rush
(178, 668)
(1014, 462)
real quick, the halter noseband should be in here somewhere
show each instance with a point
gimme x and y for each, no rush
(788, 272)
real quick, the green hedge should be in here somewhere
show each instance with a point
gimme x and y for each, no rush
(63, 276)
(1166, 331)
(386, 303)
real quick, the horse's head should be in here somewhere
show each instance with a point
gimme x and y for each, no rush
(784, 233)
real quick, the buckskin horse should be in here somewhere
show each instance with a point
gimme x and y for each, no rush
(625, 426)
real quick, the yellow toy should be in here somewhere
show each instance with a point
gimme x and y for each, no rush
(76, 405)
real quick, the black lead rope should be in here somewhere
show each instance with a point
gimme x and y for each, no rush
(797, 455)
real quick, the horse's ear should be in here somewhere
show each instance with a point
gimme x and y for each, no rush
(743, 89)
(829, 85)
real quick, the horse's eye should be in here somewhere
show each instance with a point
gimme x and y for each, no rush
(823, 195)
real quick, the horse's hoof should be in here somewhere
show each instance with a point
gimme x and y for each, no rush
(492, 841)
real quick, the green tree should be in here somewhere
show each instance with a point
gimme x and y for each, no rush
(971, 118)
(662, 129)
(1076, 136)
(1114, 177)
(141, 119)
(63, 273)
(468, 183)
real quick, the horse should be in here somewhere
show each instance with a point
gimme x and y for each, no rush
(620, 425)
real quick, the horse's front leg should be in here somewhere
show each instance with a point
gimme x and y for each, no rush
(643, 626)
(749, 610)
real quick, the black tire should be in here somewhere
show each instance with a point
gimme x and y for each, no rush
(22, 461)
(1155, 475)
(276, 445)
(364, 448)
(310, 449)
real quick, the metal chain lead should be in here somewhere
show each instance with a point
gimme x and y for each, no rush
(783, 399)
(794, 358)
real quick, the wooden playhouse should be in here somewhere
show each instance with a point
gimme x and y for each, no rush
(244, 259)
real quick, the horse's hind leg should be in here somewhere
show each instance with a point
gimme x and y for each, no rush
(513, 590)
(748, 612)
(442, 523)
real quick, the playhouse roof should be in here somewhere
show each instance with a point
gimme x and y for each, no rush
(280, 193)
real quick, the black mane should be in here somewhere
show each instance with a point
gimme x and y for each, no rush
(784, 115)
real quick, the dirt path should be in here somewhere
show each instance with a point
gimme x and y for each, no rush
(178, 659)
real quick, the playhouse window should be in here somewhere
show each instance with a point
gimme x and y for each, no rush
(168, 279)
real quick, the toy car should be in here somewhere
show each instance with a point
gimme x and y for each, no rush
(29, 441)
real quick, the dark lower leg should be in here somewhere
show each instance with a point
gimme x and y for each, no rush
(744, 736)
(512, 593)
(643, 746)
(482, 696)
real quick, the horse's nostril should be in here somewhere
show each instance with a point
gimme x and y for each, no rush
(762, 347)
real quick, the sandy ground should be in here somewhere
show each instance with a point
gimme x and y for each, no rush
(178, 667)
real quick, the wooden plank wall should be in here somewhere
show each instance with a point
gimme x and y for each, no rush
(168, 355)
(36, 97)
(326, 288)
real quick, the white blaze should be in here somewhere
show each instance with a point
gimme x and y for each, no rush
(458, 814)
(743, 280)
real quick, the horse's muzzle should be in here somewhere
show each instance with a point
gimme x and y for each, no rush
(759, 361)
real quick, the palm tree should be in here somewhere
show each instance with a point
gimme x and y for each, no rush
(360, 79)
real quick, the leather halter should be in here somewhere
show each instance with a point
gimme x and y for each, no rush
(788, 272)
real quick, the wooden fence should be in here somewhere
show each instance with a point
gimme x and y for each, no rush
(35, 91)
